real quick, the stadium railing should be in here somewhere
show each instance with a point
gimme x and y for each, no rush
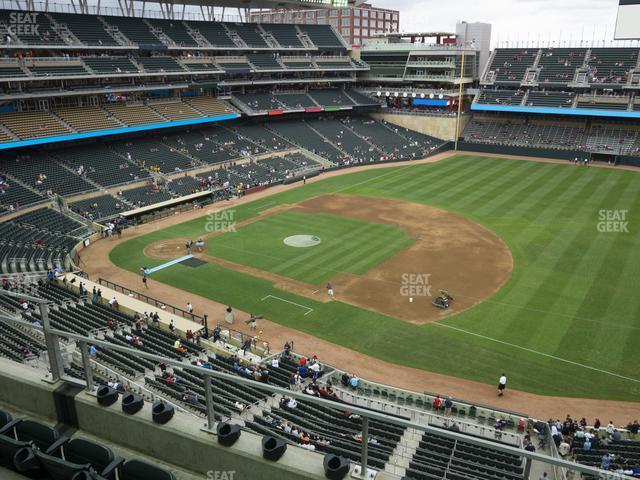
(54, 336)
(558, 472)
(151, 300)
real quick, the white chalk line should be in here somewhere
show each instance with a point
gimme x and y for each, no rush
(309, 310)
(560, 359)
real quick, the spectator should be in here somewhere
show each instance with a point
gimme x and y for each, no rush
(502, 384)
(448, 403)
(564, 448)
(610, 428)
(437, 403)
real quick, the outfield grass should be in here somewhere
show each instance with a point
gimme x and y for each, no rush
(347, 245)
(566, 323)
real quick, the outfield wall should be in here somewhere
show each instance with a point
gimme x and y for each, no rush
(522, 151)
(436, 126)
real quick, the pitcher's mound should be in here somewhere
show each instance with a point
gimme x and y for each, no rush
(302, 241)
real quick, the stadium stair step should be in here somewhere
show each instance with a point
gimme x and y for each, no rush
(198, 37)
(63, 32)
(85, 178)
(326, 139)
(22, 184)
(360, 136)
(61, 120)
(403, 452)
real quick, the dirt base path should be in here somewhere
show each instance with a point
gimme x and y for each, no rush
(404, 285)
(97, 264)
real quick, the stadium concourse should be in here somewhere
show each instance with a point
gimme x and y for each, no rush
(365, 366)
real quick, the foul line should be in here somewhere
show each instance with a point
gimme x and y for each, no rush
(309, 310)
(264, 206)
(149, 271)
(536, 352)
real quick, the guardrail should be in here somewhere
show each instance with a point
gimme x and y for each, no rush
(151, 300)
(53, 337)
(238, 338)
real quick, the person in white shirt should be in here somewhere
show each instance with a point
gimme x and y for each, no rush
(502, 384)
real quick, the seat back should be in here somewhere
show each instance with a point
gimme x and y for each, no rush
(8, 448)
(42, 436)
(138, 470)
(82, 451)
(58, 468)
(5, 417)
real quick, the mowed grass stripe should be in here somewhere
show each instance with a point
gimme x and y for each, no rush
(528, 207)
(233, 246)
(371, 240)
(547, 221)
(486, 200)
(315, 258)
(502, 203)
(417, 185)
(556, 295)
(393, 182)
(604, 255)
(498, 177)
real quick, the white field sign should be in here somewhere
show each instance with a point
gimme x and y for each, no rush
(628, 23)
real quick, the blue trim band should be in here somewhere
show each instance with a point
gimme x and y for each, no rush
(580, 112)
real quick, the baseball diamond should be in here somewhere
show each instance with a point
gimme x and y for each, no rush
(307, 239)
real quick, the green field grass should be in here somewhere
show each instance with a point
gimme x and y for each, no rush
(566, 323)
(347, 245)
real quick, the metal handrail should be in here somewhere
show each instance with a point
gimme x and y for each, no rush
(151, 300)
(53, 348)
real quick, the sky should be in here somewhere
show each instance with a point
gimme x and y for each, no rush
(514, 20)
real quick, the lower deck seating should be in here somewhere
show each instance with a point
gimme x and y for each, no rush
(13, 196)
(101, 164)
(518, 132)
(147, 195)
(438, 457)
(95, 208)
(25, 247)
(49, 220)
(45, 175)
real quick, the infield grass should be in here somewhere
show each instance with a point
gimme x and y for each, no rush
(567, 322)
(347, 245)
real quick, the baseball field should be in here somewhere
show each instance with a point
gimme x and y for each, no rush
(543, 262)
